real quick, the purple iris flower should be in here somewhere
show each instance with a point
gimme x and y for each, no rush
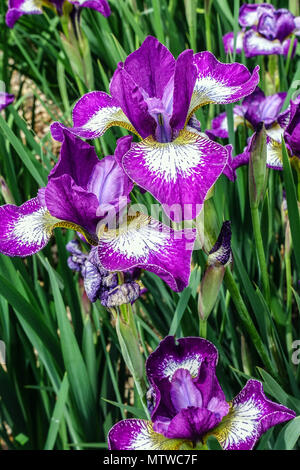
(5, 99)
(155, 96)
(269, 31)
(187, 404)
(18, 8)
(292, 130)
(255, 109)
(87, 195)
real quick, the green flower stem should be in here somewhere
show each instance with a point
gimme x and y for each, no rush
(129, 342)
(246, 320)
(260, 252)
(203, 328)
(289, 298)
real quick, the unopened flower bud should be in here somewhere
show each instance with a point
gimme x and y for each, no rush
(257, 165)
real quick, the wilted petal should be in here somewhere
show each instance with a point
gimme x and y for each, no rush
(92, 115)
(92, 280)
(221, 83)
(17, 8)
(5, 99)
(178, 174)
(137, 434)
(99, 5)
(184, 353)
(25, 230)
(147, 244)
(255, 44)
(250, 14)
(228, 41)
(251, 415)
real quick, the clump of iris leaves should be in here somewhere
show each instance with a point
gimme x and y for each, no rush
(77, 376)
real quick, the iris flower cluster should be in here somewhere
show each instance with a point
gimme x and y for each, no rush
(265, 31)
(18, 8)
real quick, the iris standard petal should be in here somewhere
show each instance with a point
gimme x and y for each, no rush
(251, 415)
(221, 83)
(18, 8)
(68, 201)
(25, 230)
(179, 174)
(250, 14)
(148, 244)
(130, 98)
(184, 353)
(138, 434)
(93, 114)
(151, 66)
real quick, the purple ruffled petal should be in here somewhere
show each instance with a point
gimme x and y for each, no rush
(178, 174)
(137, 434)
(264, 109)
(250, 14)
(92, 115)
(68, 201)
(99, 5)
(184, 353)
(192, 423)
(25, 230)
(151, 66)
(184, 83)
(147, 244)
(18, 8)
(221, 83)
(251, 415)
(129, 96)
(292, 131)
(5, 99)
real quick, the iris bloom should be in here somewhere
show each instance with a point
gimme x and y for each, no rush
(269, 31)
(17, 8)
(155, 96)
(187, 404)
(84, 193)
(255, 109)
(5, 99)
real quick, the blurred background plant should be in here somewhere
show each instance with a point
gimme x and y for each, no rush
(64, 383)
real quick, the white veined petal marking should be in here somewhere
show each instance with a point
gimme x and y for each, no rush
(191, 363)
(34, 228)
(31, 5)
(138, 240)
(107, 117)
(181, 157)
(240, 425)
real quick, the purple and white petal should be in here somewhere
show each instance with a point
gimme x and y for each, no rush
(221, 83)
(255, 44)
(92, 115)
(184, 353)
(138, 434)
(18, 8)
(220, 253)
(25, 230)
(5, 99)
(251, 415)
(228, 41)
(99, 5)
(250, 14)
(297, 26)
(148, 244)
(220, 123)
(179, 174)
